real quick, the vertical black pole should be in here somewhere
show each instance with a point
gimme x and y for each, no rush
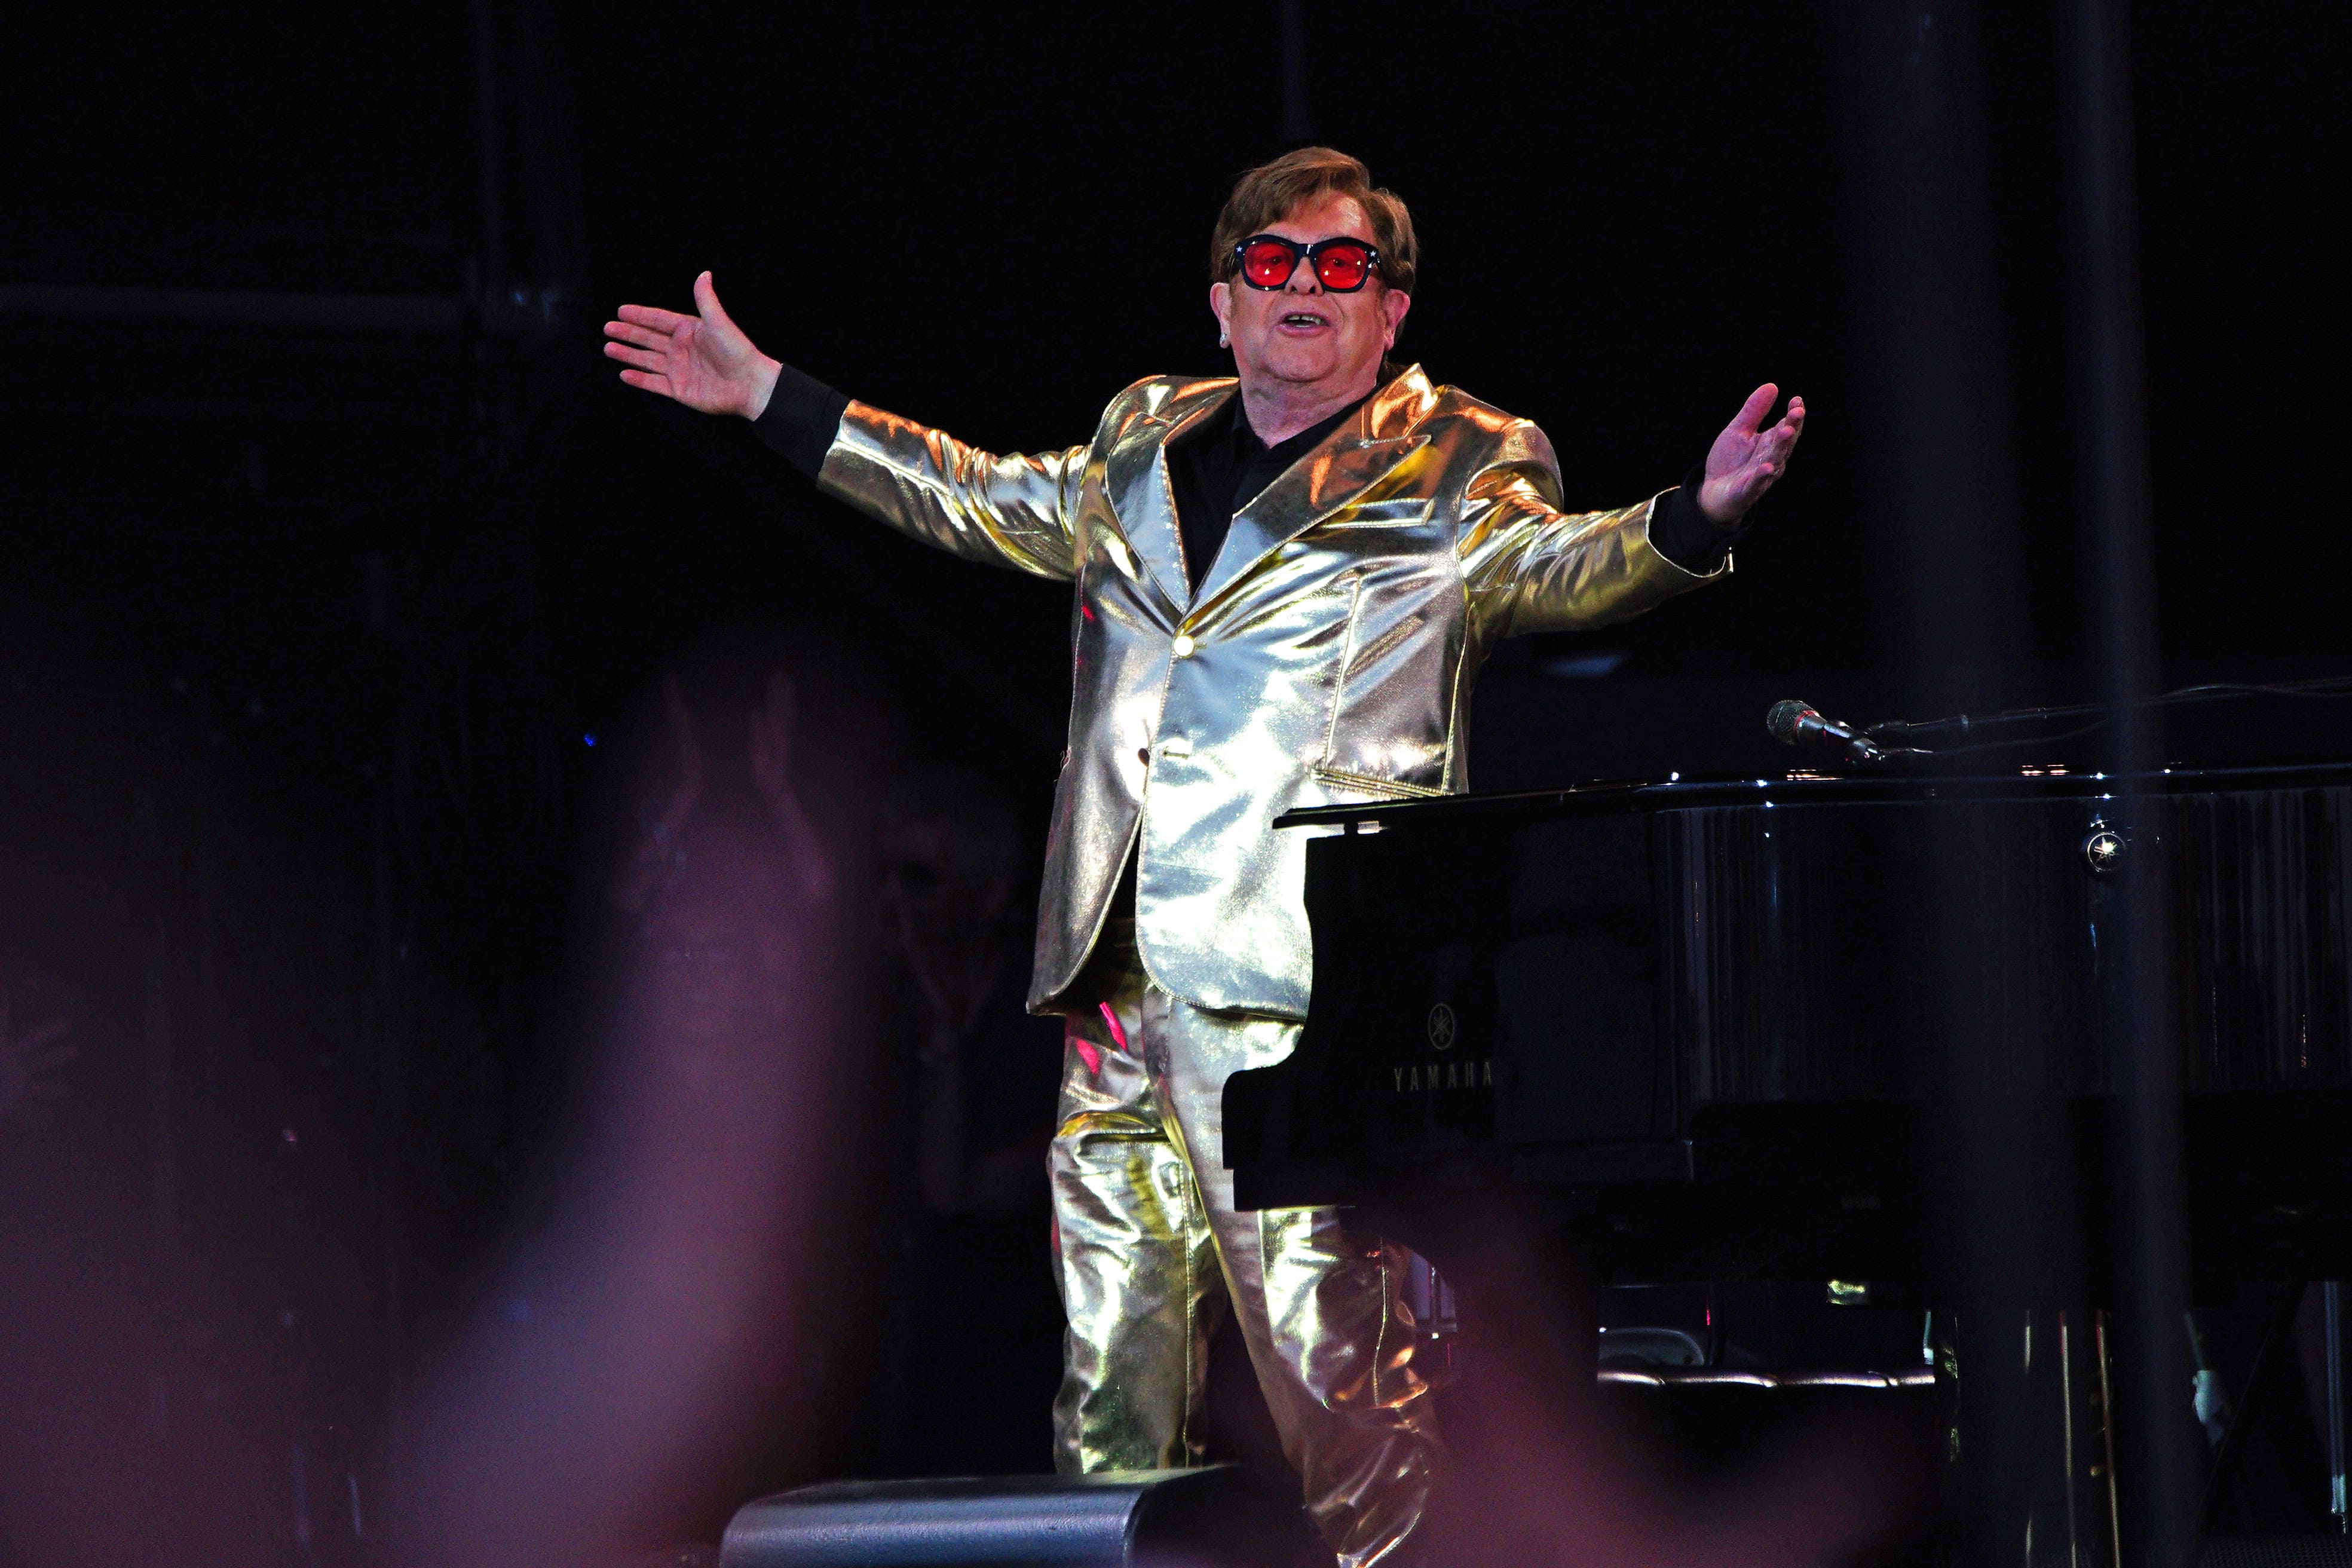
(1297, 124)
(2159, 1465)
(163, 1110)
(2107, 362)
(490, 169)
(210, 1107)
(1943, 517)
(391, 1017)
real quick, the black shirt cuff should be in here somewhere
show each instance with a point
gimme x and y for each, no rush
(1682, 533)
(801, 418)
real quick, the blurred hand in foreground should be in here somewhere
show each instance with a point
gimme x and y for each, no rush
(1547, 1472)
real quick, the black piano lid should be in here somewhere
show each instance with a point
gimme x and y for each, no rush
(1806, 787)
(1760, 1052)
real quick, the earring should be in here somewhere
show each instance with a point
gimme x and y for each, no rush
(1225, 340)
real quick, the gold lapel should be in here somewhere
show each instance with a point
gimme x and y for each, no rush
(1350, 461)
(1135, 477)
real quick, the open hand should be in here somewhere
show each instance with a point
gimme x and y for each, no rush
(1747, 459)
(703, 361)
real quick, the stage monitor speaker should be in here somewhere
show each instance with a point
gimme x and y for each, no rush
(1218, 1516)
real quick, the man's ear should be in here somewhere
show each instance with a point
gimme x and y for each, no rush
(1221, 305)
(1393, 305)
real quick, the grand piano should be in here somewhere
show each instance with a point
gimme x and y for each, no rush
(1694, 1017)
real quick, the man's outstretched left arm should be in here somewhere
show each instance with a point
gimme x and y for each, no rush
(1531, 566)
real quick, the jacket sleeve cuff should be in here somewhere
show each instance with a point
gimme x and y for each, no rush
(1682, 533)
(802, 418)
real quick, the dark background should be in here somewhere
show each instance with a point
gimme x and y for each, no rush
(331, 540)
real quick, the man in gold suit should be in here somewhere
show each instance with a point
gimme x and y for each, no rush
(1286, 582)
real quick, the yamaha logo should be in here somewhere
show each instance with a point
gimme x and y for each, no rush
(1440, 1027)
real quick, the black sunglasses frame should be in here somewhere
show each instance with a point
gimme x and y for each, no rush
(1312, 255)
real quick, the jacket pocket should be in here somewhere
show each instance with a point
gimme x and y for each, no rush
(1370, 654)
(1364, 784)
(1388, 721)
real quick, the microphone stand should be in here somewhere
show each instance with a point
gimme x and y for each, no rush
(1966, 724)
(1793, 723)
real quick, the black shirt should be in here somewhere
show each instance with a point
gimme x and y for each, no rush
(1219, 465)
(1216, 468)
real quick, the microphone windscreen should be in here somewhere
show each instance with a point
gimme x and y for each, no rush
(1783, 719)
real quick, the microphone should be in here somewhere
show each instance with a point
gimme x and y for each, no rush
(1793, 723)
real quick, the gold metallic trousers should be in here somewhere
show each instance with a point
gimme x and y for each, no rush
(1153, 1254)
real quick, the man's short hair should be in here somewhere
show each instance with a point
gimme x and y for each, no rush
(1271, 192)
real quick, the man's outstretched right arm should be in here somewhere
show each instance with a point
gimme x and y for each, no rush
(1013, 512)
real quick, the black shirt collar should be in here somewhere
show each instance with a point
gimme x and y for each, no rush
(1232, 425)
(1285, 452)
(1219, 465)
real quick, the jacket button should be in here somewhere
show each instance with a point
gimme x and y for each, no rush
(1184, 646)
(1143, 755)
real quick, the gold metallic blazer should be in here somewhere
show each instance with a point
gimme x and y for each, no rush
(1327, 657)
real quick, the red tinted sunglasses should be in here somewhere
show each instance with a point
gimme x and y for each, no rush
(1342, 265)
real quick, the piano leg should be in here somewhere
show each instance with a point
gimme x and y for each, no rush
(2063, 1502)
